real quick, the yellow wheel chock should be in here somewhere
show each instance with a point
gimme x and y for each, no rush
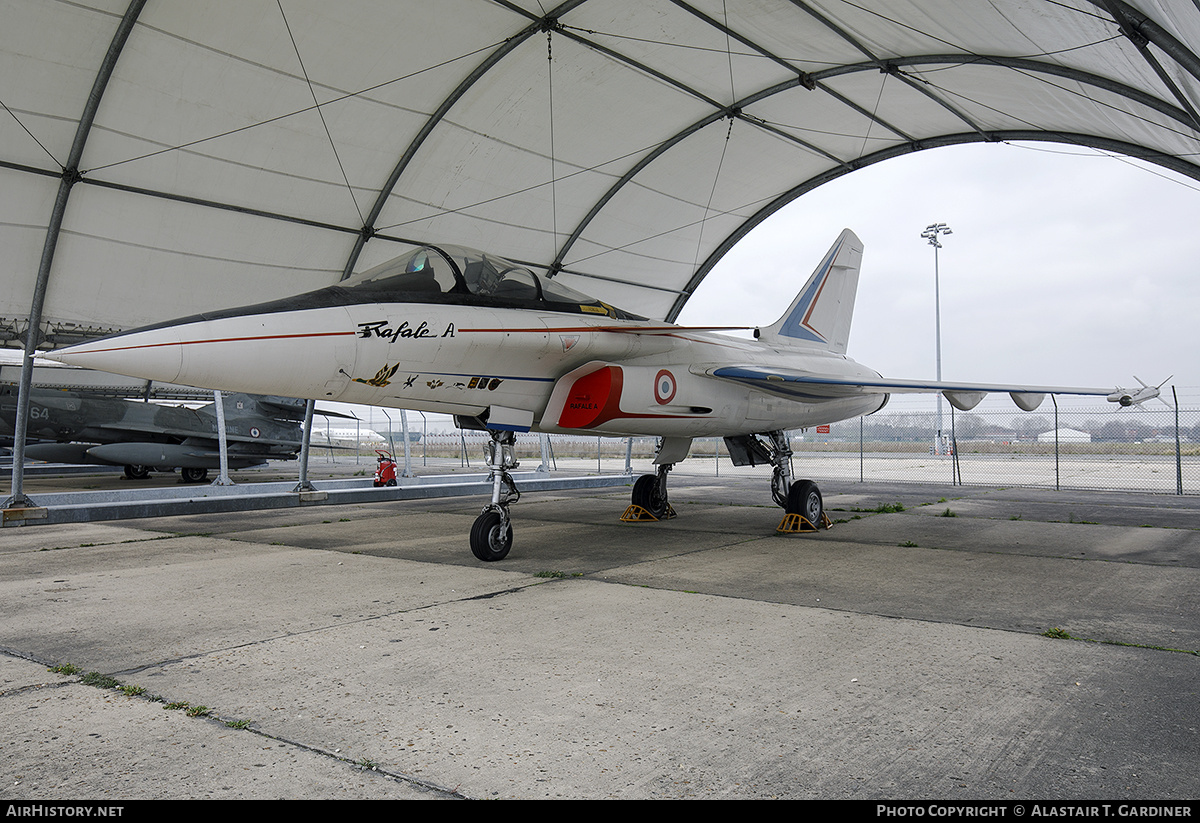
(799, 524)
(636, 514)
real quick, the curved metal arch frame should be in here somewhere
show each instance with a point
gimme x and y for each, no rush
(1140, 152)
(846, 166)
(492, 60)
(1146, 27)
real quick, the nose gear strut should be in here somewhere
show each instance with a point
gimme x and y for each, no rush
(491, 534)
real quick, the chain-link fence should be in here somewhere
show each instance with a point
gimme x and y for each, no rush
(1151, 450)
(1146, 450)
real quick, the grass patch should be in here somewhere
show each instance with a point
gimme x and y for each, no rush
(100, 681)
(885, 508)
(66, 668)
(1061, 634)
(948, 513)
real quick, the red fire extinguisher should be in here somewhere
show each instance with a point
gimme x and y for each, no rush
(385, 470)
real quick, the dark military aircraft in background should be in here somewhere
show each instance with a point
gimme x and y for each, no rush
(145, 437)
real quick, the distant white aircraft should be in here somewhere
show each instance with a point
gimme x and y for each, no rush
(449, 330)
(349, 436)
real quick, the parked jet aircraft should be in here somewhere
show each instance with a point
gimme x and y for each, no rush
(450, 330)
(144, 437)
(346, 436)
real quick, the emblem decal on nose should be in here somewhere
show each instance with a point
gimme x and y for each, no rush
(382, 378)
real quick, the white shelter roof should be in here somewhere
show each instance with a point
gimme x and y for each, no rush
(161, 157)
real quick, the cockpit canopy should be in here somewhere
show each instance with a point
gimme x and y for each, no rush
(454, 270)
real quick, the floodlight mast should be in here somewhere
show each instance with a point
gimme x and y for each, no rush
(931, 233)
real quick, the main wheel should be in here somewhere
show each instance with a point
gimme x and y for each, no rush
(193, 475)
(491, 538)
(804, 499)
(137, 472)
(646, 495)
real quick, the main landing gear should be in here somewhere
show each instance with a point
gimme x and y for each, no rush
(491, 534)
(800, 499)
(188, 475)
(804, 510)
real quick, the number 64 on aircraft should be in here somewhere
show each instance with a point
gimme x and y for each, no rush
(451, 330)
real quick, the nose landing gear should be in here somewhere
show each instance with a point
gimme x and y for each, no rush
(491, 534)
(649, 498)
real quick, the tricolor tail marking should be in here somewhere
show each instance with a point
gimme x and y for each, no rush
(821, 313)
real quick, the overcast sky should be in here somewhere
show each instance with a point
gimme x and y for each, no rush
(1065, 267)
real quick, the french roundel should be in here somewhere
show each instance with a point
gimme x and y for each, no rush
(664, 387)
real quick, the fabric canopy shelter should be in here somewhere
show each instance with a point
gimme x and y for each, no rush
(161, 157)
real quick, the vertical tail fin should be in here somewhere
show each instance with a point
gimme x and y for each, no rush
(821, 313)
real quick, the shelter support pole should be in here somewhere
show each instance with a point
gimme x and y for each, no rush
(305, 440)
(18, 500)
(222, 441)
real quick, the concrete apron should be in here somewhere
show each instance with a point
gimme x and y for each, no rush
(370, 655)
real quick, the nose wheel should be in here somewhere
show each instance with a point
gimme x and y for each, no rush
(649, 499)
(491, 534)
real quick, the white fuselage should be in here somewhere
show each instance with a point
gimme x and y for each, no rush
(566, 372)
